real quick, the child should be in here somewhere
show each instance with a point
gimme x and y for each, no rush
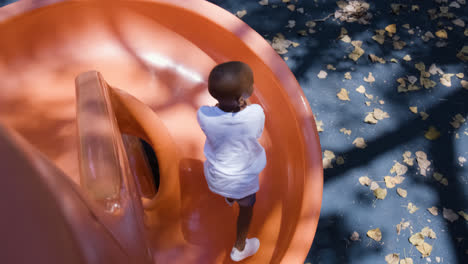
(234, 158)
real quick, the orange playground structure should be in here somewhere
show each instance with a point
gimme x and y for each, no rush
(81, 82)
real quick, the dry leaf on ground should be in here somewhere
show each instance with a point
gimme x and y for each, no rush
(427, 232)
(375, 58)
(375, 234)
(370, 78)
(463, 54)
(412, 208)
(391, 28)
(407, 158)
(331, 67)
(417, 239)
(322, 75)
(432, 133)
(392, 258)
(360, 143)
(450, 215)
(364, 180)
(424, 115)
(402, 192)
(406, 261)
(463, 214)
(413, 109)
(433, 210)
(399, 168)
(353, 11)
(339, 160)
(380, 193)
(407, 58)
(328, 157)
(291, 7)
(348, 76)
(458, 120)
(374, 186)
(343, 95)
(446, 79)
(319, 125)
(358, 51)
(423, 163)
(263, 2)
(241, 13)
(464, 84)
(345, 131)
(442, 34)
(361, 89)
(425, 249)
(402, 226)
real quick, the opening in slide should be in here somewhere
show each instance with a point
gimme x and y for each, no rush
(143, 164)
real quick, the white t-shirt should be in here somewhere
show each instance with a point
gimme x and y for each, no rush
(234, 157)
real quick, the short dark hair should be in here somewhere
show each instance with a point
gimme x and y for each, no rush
(229, 80)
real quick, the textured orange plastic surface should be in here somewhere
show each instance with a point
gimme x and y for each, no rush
(159, 53)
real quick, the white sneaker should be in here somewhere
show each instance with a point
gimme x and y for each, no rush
(228, 202)
(251, 247)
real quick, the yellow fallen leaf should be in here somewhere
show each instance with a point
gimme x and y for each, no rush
(380, 193)
(348, 76)
(328, 157)
(433, 210)
(441, 34)
(432, 133)
(368, 103)
(361, 89)
(460, 75)
(424, 115)
(423, 163)
(393, 60)
(391, 28)
(331, 67)
(370, 78)
(407, 158)
(444, 181)
(463, 214)
(446, 79)
(360, 143)
(417, 239)
(375, 234)
(381, 102)
(322, 75)
(427, 232)
(374, 186)
(464, 84)
(343, 95)
(263, 2)
(399, 45)
(379, 38)
(437, 176)
(402, 226)
(364, 180)
(399, 169)
(402, 192)
(392, 258)
(370, 119)
(412, 208)
(415, 8)
(407, 58)
(291, 7)
(358, 51)
(427, 83)
(463, 54)
(241, 13)
(379, 114)
(406, 261)
(414, 109)
(319, 125)
(345, 131)
(375, 58)
(369, 96)
(420, 66)
(425, 249)
(389, 182)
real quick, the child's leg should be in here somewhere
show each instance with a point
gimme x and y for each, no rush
(243, 220)
(243, 224)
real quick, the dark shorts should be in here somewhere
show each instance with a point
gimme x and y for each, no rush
(247, 201)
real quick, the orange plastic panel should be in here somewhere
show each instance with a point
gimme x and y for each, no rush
(160, 52)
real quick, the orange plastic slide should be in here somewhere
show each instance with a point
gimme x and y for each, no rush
(81, 81)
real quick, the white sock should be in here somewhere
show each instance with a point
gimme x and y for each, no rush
(251, 247)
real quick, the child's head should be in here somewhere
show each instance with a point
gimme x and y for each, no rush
(231, 82)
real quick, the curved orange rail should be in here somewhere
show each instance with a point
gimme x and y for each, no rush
(160, 52)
